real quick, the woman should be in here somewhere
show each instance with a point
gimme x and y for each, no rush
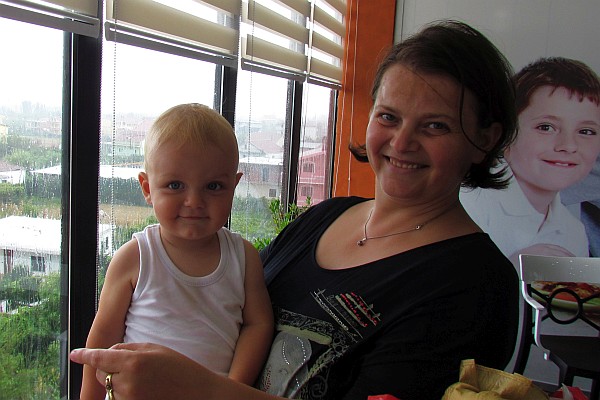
(384, 295)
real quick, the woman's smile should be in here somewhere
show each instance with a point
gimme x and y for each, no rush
(404, 164)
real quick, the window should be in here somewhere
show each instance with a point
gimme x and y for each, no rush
(8, 261)
(265, 174)
(38, 264)
(260, 127)
(135, 91)
(70, 151)
(308, 167)
(31, 143)
(316, 143)
(306, 191)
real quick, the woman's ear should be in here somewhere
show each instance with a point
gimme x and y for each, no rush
(488, 137)
(145, 185)
(491, 135)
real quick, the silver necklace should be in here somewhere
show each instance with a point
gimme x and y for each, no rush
(366, 237)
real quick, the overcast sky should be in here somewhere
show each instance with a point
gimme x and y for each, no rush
(26, 74)
(147, 82)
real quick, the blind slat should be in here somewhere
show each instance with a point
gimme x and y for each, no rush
(327, 46)
(326, 70)
(300, 6)
(87, 7)
(160, 43)
(338, 5)
(276, 22)
(231, 6)
(272, 53)
(78, 17)
(327, 21)
(173, 22)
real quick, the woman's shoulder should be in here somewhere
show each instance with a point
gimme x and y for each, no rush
(469, 252)
(343, 202)
(476, 241)
(477, 245)
(327, 210)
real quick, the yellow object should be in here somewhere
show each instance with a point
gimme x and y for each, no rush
(482, 383)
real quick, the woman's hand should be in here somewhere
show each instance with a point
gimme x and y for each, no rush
(148, 371)
(144, 371)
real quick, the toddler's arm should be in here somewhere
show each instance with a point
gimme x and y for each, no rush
(257, 329)
(108, 327)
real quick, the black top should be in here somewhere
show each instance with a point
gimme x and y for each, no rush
(399, 325)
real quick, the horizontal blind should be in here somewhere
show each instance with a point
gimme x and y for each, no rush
(276, 37)
(206, 30)
(295, 39)
(76, 16)
(326, 48)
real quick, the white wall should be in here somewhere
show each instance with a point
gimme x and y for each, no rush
(523, 30)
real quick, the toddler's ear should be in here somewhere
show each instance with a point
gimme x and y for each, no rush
(145, 185)
(238, 176)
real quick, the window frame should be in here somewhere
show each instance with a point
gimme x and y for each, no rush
(80, 175)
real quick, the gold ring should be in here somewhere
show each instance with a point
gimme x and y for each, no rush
(109, 388)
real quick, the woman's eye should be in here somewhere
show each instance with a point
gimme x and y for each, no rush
(587, 132)
(387, 118)
(437, 128)
(175, 185)
(437, 125)
(214, 186)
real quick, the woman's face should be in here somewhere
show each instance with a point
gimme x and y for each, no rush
(415, 141)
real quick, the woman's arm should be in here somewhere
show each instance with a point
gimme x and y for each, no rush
(154, 372)
(108, 327)
(256, 334)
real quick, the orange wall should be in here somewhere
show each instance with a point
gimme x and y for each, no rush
(370, 31)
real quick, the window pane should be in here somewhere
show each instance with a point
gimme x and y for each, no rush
(137, 86)
(314, 168)
(31, 361)
(261, 111)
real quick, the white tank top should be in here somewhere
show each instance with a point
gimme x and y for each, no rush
(197, 316)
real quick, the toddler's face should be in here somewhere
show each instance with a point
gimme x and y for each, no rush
(191, 189)
(558, 140)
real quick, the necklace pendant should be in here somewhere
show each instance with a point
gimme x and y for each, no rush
(361, 242)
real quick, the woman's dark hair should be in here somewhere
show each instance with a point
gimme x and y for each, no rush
(573, 75)
(455, 49)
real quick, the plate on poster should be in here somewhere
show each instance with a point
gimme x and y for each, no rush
(564, 300)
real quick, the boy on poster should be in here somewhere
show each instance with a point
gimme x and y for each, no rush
(558, 105)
